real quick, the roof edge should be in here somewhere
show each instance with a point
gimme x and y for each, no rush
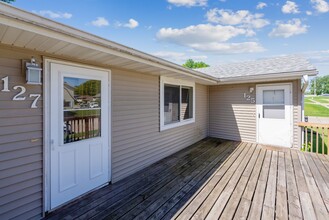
(45, 23)
(267, 77)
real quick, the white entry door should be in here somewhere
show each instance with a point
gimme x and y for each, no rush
(79, 131)
(274, 115)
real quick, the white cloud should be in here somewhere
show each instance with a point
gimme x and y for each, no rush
(241, 17)
(132, 23)
(188, 3)
(309, 13)
(200, 33)
(100, 22)
(321, 6)
(261, 5)
(230, 48)
(178, 57)
(208, 37)
(290, 8)
(289, 29)
(51, 14)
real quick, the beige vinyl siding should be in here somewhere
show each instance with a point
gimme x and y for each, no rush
(136, 138)
(21, 131)
(233, 117)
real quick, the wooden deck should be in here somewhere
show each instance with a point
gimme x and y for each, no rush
(215, 179)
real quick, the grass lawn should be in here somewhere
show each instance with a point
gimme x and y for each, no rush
(316, 110)
(321, 99)
(312, 109)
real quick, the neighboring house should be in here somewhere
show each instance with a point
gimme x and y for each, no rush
(68, 95)
(149, 108)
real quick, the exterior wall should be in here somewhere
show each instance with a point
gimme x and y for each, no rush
(21, 157)
(233, 117)
(136, 138)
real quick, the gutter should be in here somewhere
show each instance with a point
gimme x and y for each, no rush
(267, 77)
(36, 20)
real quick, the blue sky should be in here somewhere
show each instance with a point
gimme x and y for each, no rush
(213, 31)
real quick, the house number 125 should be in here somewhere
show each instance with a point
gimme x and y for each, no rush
(20, 94)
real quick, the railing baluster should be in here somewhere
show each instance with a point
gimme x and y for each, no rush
(315, 137)
(322, 137)
(312, 139)
(80, 128)
(306, 143)
(328, 141)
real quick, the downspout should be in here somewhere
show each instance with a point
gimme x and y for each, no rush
(305, 81)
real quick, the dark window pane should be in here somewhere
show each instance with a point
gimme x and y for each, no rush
(82, 109)
(187, 103)
(171, 104)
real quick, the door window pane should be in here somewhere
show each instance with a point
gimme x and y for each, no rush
(273, 97)
(273, 104)
(187, 103)
(82, 109)
(274, 111)
(171, 104)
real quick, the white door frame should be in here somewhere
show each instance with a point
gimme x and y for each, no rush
(46, 124)
(291, 109)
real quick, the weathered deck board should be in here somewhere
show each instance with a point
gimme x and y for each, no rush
(193, 204)
(233, 202)
(245, 203)
(258, 199)
(295, 210)
(118, 209)
(281, 190)
(215, 179)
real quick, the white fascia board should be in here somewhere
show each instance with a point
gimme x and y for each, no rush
(27, 21)
(267, 77)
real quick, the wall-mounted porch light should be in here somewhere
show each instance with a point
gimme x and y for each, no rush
(251, 90)
(33, 73)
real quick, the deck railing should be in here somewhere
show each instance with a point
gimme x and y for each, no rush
(315, 137)
(79, 128)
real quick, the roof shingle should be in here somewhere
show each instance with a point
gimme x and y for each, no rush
(282, 64)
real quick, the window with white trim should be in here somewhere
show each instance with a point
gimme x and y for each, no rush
(177, 103)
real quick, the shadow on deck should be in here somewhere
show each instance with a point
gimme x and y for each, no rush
(215, 179)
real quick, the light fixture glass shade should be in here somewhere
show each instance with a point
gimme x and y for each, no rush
(33, 75)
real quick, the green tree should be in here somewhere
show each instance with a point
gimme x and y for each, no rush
(91, 88)
(194, 65)
(320, 85)
(7, 1)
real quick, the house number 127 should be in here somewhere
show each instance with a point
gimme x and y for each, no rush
(20, 94)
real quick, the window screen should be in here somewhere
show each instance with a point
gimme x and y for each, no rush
(273, 104)
(171, 104)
